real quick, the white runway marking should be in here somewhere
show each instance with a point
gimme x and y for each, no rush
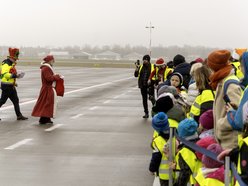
(53, 127)
(123, 94)
(18, 144)
(76, 116)
(94, 108)
(107, 101)
(70, 92)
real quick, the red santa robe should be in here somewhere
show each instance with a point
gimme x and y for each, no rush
(46, 103)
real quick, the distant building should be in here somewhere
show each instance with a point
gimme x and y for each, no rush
(108, 55)
(133, 56)
(60, 54)
(81, 55)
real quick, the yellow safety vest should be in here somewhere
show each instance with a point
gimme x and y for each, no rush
(202, 181)
(6, 75)
(206, 96)
(159, 143)
(173, 123)
(152, 68)
(212, 182)
(199, 177)
(192, 161)
(166, 72)
(238, 73)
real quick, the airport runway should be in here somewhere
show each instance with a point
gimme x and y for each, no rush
(99, 137)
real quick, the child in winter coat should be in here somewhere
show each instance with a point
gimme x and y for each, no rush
(206, 124)
(212, 172)
(159, 161)
(186, 160)
(205, 98)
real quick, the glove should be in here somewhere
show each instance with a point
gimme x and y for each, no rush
(149, 82)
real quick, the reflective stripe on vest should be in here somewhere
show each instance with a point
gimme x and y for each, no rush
(164, 166)
(206, 96)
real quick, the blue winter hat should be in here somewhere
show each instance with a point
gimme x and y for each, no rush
(160, 122)
(187, 127)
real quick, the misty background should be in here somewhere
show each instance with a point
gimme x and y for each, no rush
(91, 27)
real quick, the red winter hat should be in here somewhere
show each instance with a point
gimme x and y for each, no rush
(204, 143)
(13, 53)
(199, 60)
(209, 162)
(48, 58)
(206, 120)
(218, 59)
(160, 62)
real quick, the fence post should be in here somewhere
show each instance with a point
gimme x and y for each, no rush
(171, 153)
(227, 171)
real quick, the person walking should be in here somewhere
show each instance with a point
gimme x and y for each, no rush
(9, 75)
(45, 106)
(143, 72)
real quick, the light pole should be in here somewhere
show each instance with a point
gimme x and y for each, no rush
(150, 44)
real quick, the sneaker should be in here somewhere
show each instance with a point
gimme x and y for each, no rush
(146, 116)
(21, 117)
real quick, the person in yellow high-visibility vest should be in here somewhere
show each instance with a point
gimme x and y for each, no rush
(219, 63)
(161, 72)
(238, 119)
(186, 160)
(9, 75)
(159, 164)
(212, 172)
(143, 72)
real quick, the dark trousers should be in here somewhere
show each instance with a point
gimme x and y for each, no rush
(9, 91)
(164, 182)
(144, 94)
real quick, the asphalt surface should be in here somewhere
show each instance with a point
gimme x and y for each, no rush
(99, 137)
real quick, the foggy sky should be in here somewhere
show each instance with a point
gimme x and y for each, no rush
(212, 23)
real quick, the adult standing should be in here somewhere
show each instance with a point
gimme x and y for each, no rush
(8, 81)
(143, 72)
(219, 62)
(45, 106)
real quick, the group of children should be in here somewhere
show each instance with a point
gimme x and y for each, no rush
(194, 114)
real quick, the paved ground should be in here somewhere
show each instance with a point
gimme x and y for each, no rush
(99, 137)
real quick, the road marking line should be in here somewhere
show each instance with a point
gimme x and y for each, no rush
(18, 144)
(76, 116)
(94, 108)
(70, 92)
(53, 127)
(107, 101)
(123, 94)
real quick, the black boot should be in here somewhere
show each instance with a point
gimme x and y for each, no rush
(146, 116)
(21, 117)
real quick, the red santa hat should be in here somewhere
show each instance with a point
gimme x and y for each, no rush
(48, 58)
(160, 62)
(13, 53)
